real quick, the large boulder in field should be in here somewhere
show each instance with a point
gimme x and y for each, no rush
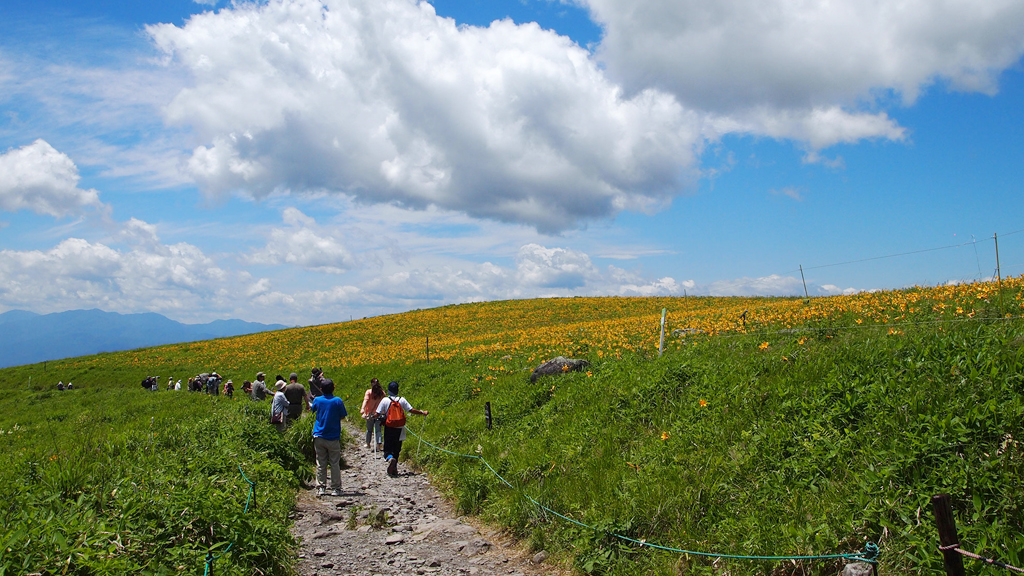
(558, 365)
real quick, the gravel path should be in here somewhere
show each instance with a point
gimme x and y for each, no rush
(417, 534)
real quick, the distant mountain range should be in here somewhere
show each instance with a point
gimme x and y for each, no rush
(27, 337)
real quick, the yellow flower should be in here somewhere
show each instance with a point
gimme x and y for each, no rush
(703, 403)
(565, 368)
(801, 341)
(664, 436)
(589, 373)
(763, 346)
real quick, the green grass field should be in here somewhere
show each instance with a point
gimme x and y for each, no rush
(801, 442)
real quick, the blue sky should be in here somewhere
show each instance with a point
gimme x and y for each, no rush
(305, 162)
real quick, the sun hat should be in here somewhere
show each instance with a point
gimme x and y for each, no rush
(258, 374)
(279, 386)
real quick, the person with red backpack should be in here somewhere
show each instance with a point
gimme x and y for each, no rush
(393, 409)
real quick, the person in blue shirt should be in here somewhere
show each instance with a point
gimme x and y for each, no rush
(328, 411)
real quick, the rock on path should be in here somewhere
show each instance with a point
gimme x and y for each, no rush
(417, 534)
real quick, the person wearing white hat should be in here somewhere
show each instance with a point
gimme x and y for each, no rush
(279, 408)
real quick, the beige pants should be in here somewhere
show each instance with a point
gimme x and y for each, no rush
(328, 452)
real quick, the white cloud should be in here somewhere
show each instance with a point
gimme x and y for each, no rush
(810, 71)
(37, 177)
(553, 267)
(176, 279)
(737, 55)
(816, 128)
(383, 100)
(772, 285)
(789, 191)
(107, 116)
(303, 244)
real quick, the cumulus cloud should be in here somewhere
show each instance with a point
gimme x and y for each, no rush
(37, 177)
(305, 244)
(178, 279)
(813, 72)
(384, 100)
(738, 55)
(553, 267)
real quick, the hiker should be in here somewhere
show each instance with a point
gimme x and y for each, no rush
(328, 410)
(371, 399)
(213, 384)
(60, 385)
(170, 383)
(315, 382)
(70, 386)
(296, 395)
(247, 388)
(155, 387)
(259, 387)
(279, 407)
(229, 389)
(177, 385)
(394, 425)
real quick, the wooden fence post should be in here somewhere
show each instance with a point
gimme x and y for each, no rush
(951, 559)
(661, 343)
(487, 414)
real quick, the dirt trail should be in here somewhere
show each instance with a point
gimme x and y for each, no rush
(422, 534)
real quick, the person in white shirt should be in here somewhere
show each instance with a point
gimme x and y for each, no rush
(394, 435)
(279, 408)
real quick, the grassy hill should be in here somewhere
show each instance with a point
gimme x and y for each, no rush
(797, 428)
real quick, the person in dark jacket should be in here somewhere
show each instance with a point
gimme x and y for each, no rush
(296, 395)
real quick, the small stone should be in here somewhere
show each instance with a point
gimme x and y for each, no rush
(327, 565)
(540, 557)
(476, 546)
(395, 539)
(435, 563)
(319, 552)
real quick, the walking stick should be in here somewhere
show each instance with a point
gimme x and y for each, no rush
(420, 445)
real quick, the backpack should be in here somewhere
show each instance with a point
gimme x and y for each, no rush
(395, 417)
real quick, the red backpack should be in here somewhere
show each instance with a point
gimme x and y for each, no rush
(395, 417)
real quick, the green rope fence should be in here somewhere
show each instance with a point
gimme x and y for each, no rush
(869, 554)
(210, 556)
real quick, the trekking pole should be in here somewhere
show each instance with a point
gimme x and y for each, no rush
(373, 437)
(422, 429)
